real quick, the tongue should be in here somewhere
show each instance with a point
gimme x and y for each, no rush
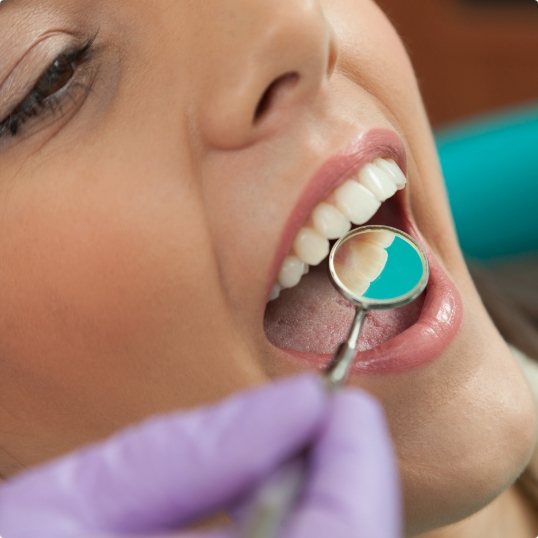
(314, 317)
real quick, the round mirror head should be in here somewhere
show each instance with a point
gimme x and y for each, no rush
(378, 267)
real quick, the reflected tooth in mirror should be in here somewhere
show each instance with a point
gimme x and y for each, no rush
(291, 272)
(310, 246)
(330, 222)
(369, 258)
(359, 265)
(396, 174)
(404, 276)
(377, 181)
(275, 292)
(384, 238)
(356, 202)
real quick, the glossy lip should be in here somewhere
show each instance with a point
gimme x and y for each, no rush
(436, 327)
(368, 146)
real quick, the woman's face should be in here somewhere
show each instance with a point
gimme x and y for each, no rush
(151, 186)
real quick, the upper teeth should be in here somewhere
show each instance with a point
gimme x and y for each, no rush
(361, 261)
(354, 201)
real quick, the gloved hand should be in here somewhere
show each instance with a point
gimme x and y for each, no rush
(168, 472)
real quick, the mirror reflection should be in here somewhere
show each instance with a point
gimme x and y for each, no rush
(379, 265)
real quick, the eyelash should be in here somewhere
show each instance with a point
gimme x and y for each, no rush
(35, 104)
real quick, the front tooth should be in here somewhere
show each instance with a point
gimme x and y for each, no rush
(366, 259)
(310, 246)
(377, 181)
(356, 202)
(329, 222)
(396, 174)
(360, 264)
(291, 272)
(383, 238)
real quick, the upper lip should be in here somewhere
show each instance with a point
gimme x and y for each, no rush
(339, 167)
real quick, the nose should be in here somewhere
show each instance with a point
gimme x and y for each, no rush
(272, 60)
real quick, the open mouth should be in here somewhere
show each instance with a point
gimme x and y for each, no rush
(307, 317)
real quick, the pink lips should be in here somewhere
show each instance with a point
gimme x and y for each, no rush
(337, 169)
(442, 311)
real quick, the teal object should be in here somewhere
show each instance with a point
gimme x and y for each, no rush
(401, 274)
(378, 267)
(491, 171)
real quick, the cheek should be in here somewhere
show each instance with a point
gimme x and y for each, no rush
(96, 264)
(105, 293)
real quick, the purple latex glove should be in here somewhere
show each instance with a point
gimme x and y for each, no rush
(168, 472)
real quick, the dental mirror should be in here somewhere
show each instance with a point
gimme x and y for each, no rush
(373, 267)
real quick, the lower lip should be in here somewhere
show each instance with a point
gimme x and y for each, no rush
(420, 344)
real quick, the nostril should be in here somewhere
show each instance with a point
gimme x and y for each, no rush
(276, 88)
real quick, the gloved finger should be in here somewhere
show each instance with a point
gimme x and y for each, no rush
(170, 470)
(187, 534)
(353, 483)
(192, 534)
(227, 532)
(206, 534)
